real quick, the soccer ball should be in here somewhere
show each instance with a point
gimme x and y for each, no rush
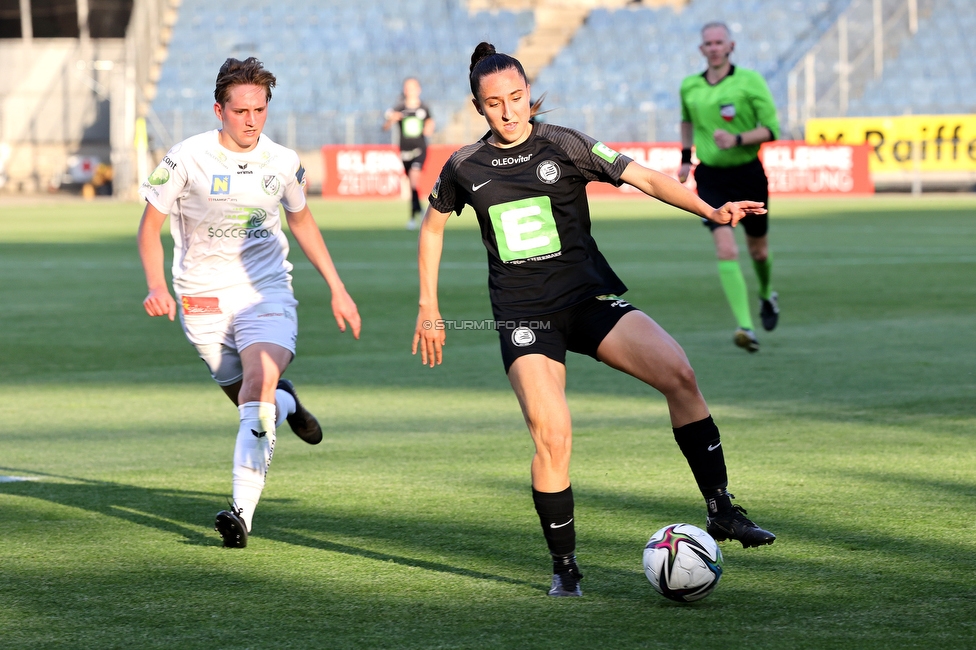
(683, 562)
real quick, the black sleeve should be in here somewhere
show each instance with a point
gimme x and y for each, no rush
(595, 160)
(445, 197)
(448, 195)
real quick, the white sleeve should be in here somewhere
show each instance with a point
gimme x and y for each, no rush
(167, 182)
(293, 196)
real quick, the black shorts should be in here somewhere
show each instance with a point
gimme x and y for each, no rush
(580, 328)
(413, 159)
(719, 185)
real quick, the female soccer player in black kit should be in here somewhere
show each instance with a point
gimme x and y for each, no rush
(552, 290)
(415, 126)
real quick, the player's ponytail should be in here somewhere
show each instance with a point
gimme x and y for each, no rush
(485, 60)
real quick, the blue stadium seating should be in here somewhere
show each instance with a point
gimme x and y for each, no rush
(339, 64)
(933, 72)
(619, 77)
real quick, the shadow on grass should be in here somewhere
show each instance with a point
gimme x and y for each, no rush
(291, 521)
(772, 597)
(178, 512)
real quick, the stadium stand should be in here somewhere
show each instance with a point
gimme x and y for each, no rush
(635, 58)
(339, 64)
(932, 73)
(611, 68)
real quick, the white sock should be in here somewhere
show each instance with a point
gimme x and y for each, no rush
(252, 455)
(286, 405)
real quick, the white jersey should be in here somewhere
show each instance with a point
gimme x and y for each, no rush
(225, 217)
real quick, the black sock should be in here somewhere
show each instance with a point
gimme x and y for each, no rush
(565, 564)
(555, 511)
(702, 447)
(414, 203)
(718, 502)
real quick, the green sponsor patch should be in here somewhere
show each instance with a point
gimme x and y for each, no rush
(605, 152)
(159, 177)
(524, 228)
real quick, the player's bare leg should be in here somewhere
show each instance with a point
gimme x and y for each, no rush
(540, 385)
(415, 209)
(641, 348)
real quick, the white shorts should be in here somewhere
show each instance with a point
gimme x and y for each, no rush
(219, 337)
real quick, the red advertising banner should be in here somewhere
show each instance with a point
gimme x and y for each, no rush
(793, 168)
(664, 157)
(361, 171)
(365, 171)
(800, 169)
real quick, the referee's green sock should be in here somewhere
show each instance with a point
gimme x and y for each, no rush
(736, 293)
(764, 273)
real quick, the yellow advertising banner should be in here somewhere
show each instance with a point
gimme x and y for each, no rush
(928, 143)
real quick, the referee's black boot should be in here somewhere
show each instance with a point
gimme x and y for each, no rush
(301, 421)
(746, 339)
(728, 521)
(769, 311)
(566, 577)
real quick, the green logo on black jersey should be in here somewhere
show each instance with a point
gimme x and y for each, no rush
(605, 152)
(413, 127)
(525, 229)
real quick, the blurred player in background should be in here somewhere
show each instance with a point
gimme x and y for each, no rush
(727, 112)
(416, 125)
(224, 192)
(552, 290)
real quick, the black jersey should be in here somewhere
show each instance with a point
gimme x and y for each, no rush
(535, 219)
(412, 139)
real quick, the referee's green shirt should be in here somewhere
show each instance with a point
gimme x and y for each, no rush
(740, 102)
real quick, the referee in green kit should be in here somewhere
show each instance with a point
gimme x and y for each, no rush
(727, 112)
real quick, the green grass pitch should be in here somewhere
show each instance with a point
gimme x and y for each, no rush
(851, 435)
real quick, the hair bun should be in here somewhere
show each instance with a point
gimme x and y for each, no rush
(482, 51)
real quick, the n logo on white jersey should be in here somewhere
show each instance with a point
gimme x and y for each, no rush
(220, 184)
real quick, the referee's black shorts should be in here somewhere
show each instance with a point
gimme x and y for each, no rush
(719, 185)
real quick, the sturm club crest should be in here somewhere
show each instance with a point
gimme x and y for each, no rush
(523, 337)
(548, 172)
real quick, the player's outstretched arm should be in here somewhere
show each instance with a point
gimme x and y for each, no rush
(159, 302)
(429, 334)
(309, 238)
(731, 213)
(666, 189)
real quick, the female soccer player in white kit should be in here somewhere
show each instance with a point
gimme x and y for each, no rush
(223, 192)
